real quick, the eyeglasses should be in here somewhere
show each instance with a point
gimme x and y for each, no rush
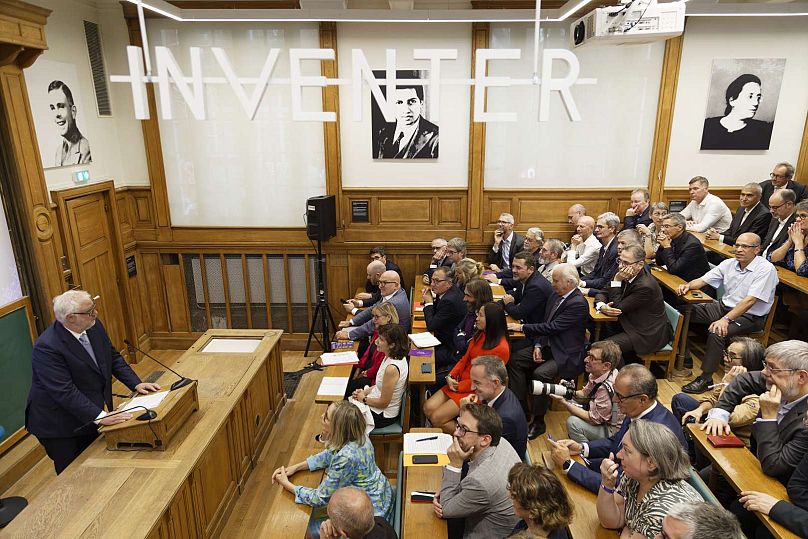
(778, 176)
(91, 312)
(450, 252)
(767, 367)
(624, 263)
(801, 216)
(775, 208)
(592, 357)
(731, 356)
(745, 246)
(620, 397)
(386, 282)
(436, 281)
(461, 430)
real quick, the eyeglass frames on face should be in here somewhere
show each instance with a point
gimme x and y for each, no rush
(745, 246)
(436, 281)
(462, 430)
(767, 367)
(620, 397)
(386, 282)
(91, 312)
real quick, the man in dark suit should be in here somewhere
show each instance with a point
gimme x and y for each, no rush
(782, 205)
(444, 309)
(606, 266)
(439, 258)
(635, 392)
(752, 216)
(681, 252)
(639, 213)
(635, 298)
(73, 362)
(782, 178)
(489, 381)
(506, 244)
(412, 136)
(558, 344)
(527, 293)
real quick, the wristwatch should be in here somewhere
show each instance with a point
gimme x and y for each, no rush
(365, 400)
(566, 465)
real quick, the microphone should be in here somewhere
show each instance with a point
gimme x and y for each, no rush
(182, 382)
(148, 415)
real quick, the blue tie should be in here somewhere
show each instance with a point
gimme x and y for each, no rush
(85, 342)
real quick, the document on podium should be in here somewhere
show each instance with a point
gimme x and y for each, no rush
(150, 401)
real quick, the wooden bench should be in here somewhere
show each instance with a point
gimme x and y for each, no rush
(419, 519)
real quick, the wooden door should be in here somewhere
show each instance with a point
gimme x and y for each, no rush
(95, 267)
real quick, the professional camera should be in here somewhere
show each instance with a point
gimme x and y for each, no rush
(540, 388)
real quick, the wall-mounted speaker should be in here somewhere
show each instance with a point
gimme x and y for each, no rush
(321, 217)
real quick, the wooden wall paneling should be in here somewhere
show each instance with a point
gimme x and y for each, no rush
(259, 410)
(136, 310)
(331, 139)
(179, 318)
(125, 227)
(664, 119)
(288, 286)
(217, 484)
(154, 149)
(338, 280)
(239, 446)
(203, 270)
(309, 298)
(801, 168)
(409, 210)
(267, 291)
(181, 514)
(245, 275)
(480, 38)
(155, 290)
(226, 288)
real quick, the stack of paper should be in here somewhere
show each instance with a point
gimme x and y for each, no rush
(426, 443)
(424, 340)
(150, 401)
(339, 358)
(333, 386)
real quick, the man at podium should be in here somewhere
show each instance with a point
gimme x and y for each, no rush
(73, 362)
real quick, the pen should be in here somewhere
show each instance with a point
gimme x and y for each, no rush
(427, 439)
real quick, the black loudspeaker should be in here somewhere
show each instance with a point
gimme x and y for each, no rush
(321, 217)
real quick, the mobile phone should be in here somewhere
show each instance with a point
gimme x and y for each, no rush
(426, 368)
(343, 301)
(419, 318)
(696, 294)
(424, 459)
(421, 496)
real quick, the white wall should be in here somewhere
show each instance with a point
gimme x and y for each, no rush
(739, 37)
(359, 169)
(116, 143)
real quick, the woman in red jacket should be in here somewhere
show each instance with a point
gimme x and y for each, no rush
(490, 339)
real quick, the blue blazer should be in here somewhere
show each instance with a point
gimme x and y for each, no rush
(605, 268)
(589, 476)
(514, 423)
(68, 390)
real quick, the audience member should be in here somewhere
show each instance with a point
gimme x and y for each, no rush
(705, 209)
(350, 516)
(782, 178)
(491, 338)
(752, 216)
(584, 246)
(681, 253)
(575, 212)
(779, 432)
(655, 470)
(476, 294)
(793, 516)
(549, 257)
(635, 390)
(606, 264)
(781, 205)
(489, 382)
(455, 250)
(557, 344)
(348, 460)
(742, 355)
(439, 258)
(792, 253)
(594, 414)
(635, 298)
(749, 284)
(371, 295)
(361, 325)
(365, 371)
(527, 293)
(443, 310)
(699, 520)
(384, 396)
(480, 497)
(466, 270)
(639, 213)
(534, 239)
(649, 233)
(540, 500)
(506, 244)
(377, 253)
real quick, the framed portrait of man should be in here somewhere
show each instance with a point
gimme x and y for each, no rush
(411, 135)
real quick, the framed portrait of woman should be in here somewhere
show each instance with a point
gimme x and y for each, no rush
(742, 103)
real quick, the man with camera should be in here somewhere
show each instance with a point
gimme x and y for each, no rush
(594, 414)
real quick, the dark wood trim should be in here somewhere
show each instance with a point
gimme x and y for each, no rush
(331, 130)
(801, 170)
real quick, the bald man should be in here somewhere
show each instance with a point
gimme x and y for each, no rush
(361, 325)
(350, 514)
(374, 272)
(584, 246)
(575, 212)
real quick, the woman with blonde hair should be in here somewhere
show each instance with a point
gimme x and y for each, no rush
(364, 372)
(466, 270)
(540, 500)
(348, 460)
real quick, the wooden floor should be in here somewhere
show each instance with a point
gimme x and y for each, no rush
(249, 516)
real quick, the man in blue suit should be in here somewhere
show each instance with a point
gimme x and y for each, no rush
(635, 391)
(73, 362)
(489, 381)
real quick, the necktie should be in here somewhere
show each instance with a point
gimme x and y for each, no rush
(781, 413)
(85, 342)
(555, 308)
(397, 143)
(506, 250)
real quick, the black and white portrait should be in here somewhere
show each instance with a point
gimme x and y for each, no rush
(54, 92)
(742, 103)
(411, 136)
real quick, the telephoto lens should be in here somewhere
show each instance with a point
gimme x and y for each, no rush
(540, 388)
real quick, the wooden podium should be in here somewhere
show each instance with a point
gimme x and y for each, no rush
(154, 434)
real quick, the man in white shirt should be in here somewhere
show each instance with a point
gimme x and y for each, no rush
(705, 210)
(584, 246)
(749, 282)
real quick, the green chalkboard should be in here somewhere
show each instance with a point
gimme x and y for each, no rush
(15, 365)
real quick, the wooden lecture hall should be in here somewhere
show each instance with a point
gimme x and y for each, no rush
(461, 269)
